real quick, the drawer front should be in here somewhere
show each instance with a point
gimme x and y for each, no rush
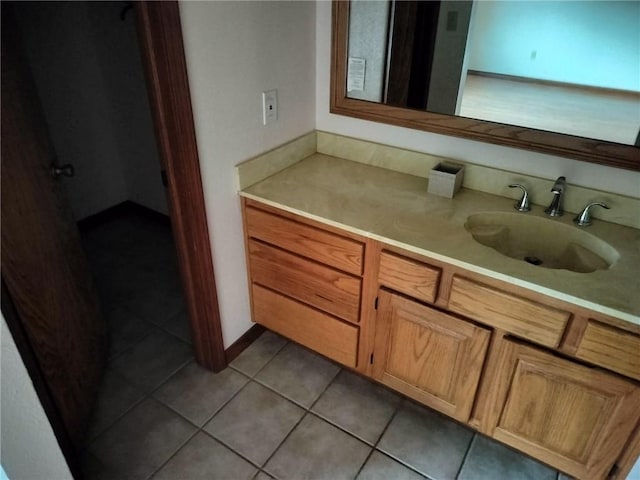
(409, 276)
(611, 348)
(305, 325)
(335, 292)
(520, 316)
(339, 252)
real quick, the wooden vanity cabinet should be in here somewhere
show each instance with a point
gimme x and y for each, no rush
(428, 355)
(553, 380)
(571, 416)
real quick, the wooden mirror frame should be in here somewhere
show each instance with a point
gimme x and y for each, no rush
(586, 149)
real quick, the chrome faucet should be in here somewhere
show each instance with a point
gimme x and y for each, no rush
(584, 218)
(555, 208)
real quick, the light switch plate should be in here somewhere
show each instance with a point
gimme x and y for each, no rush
(269, 106)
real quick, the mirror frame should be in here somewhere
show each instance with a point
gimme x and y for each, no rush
(586, 149)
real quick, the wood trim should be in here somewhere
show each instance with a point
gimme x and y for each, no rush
(165, 65)
(247, 338)
(368, 310)
(484, 412)
(245, 240)
(40, 385)
(585, 149)
(119, 210)
(573, 334)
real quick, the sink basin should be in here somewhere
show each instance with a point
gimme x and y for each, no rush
(540, 241)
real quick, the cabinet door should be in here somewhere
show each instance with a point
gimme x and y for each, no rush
(573, 417)
(428, 355)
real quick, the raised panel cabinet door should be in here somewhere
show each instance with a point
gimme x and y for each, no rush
(571, 416)
(428, 355)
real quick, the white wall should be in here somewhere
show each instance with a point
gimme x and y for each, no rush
(235, 51)
(86, 66)
(546, 166)
(28, 447)
(592, 43)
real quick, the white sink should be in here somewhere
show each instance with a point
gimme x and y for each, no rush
(540, 241)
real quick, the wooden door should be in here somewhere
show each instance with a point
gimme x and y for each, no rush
(428, 355)
(43, 265)
(573, 417)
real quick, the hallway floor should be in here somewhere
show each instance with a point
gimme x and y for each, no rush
(278, 411)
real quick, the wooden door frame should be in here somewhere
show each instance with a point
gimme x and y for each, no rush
(162, 49)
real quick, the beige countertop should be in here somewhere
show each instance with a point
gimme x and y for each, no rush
(396, 209)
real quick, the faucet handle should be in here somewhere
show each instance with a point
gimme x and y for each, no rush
(584, 218)
(523, 204)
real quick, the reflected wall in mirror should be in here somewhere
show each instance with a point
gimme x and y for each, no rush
(558, 77)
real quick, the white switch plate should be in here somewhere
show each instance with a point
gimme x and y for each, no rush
(269, 106)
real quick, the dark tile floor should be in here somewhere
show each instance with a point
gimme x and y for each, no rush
(279, 410)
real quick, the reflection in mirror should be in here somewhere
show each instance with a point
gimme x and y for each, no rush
(571, 67)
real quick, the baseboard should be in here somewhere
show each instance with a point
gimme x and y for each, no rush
(237, 347)
(555, 83)
(124, 208)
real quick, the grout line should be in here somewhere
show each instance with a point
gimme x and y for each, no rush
(304, 415)
(272, 357)
(229, 447)
(92, 440)
(399, 407)
(219, 409)
(200, 429)
(466, 454)
(111, 360)
(386, 427)
(406, 465)
(180, 447)
(331, 381)
(364, 463)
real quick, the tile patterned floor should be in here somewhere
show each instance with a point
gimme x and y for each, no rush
(278, 411)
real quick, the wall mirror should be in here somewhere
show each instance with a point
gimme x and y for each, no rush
(527, 74)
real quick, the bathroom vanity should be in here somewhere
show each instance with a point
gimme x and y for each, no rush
(363, 266)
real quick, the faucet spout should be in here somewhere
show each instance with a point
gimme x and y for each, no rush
(558, 187)
(555, 208)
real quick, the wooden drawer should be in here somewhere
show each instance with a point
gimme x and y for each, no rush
(330, 290)
(611, 348)
(405, 275)
(339, 252)
(520, 316)
(320, 332)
